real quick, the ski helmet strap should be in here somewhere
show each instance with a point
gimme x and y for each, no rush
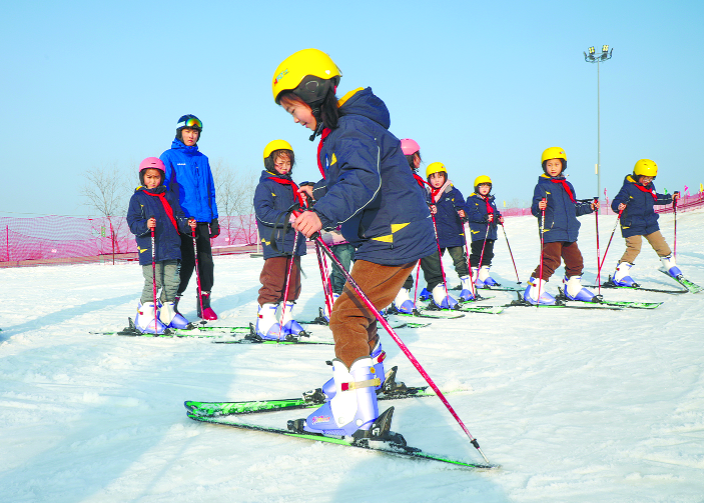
(566, 187)
(643, 189)
(167, 207)
(326, 132)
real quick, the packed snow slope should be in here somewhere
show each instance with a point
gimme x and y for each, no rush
(576, 406)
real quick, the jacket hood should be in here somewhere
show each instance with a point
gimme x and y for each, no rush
(178, 145)
(266, 175)
(156, 190)
(364, 102)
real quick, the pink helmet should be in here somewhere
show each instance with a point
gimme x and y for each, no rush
(409, 146)
(151, 163)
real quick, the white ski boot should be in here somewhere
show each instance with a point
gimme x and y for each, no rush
(170, 317)
(670, 266)
(466, 293)
(531, 293)
(354, 406)
(403, 302)
(268, 327)
(145, 322)
(575, 291)
(378, 356)
(442, 299)
(484, 279)
(291, 326)
(622, 275)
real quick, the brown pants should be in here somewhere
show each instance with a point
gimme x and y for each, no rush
(574, 263)
(634, 243)
(353, 325)
(273, 280)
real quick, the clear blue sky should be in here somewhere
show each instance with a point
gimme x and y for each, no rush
(483, 87)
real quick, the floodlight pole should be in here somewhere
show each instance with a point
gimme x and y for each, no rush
(591, 58)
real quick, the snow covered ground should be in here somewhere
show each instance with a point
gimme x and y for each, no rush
(576, 406)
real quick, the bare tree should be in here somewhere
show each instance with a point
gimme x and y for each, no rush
(106, 190)
(234, 192)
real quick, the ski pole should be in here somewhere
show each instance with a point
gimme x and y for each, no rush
(542, 248)
(324, 277)
(674, 208)
(415, 288)
(442, 269)
(154, 276)
(361, 295)
(518, 280)
(469, 260)
(481, 257)
(609, 243)
(195, 254)
(287, 284)
(598, 258)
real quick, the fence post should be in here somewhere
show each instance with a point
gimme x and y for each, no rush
(7, 234)
(112, 238)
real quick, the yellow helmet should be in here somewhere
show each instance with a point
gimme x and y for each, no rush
(481, 179)
(309, 73)
(276, 145)
(435, 167)
(645, 167)
(553, 153)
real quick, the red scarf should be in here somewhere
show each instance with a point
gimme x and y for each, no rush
(566, 187)
(166, 205)
(296, 195)
(643, 189)
(489, 209)
(422, 183)
(325, 133)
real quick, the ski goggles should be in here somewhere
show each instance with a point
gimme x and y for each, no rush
(190, 122)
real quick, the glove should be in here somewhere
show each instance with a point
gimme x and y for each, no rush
(214, 228)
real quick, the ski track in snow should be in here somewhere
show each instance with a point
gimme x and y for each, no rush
(576, 406)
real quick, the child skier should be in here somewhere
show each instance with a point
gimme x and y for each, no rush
(188, 175)
(403, 303)
(484, 219)
(154, 208)
(273, 198)
(368, 189)
(447, 207)
(637, 199)
(556, 207)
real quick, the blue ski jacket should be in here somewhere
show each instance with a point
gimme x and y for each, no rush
(166, 237)
(561, 224)
(272, 200)
(368, 187)
(188, 175)
(477, 213)
(639, 217)
(448, 223)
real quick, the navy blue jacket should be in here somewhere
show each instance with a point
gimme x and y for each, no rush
(448, 223)
(168, 243)
(561, 214)
(369, 188)
(271, 202)
(478, 214)
(639, 217)
(188, 175)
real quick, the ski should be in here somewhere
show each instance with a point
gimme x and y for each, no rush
(610, 284)
(561, 305)
(691, 287)
(445, 314)
(320, 320)
(615, 303)
(285, 342)
(215, 409)
(383, 447)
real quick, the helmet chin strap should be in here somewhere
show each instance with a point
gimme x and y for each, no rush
(315, 110)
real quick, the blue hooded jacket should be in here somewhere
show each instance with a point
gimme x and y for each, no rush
(639, 217)
(561, 214)
(369, 188)
(477, 215)
(272, 200)
(448, 223)
(188, 175)
(166, 237)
